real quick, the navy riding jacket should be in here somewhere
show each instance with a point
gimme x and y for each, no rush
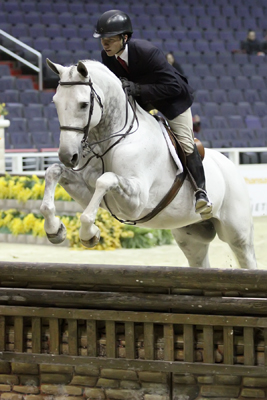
(162, 87)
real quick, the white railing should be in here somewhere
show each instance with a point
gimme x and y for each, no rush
(30, 163)
(36, 163)
(38, 69)
(233, 153)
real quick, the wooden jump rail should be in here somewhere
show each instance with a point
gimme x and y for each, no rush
(167, 319)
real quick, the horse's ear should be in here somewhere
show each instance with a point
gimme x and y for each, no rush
(52, 66)
(81, 68)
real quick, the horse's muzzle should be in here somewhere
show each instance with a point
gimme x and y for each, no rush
(69, 160)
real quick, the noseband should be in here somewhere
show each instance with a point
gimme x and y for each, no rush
(93, 96)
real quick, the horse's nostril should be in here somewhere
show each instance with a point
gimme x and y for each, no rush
(74, 159)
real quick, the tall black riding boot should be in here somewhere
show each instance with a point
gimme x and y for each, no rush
(195, 167)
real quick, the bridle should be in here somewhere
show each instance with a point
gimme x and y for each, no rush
(88, 147)
(93, 95)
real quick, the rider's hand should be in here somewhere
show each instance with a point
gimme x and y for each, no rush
(133, 89)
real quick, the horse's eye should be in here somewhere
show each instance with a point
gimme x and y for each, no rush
(84, 105)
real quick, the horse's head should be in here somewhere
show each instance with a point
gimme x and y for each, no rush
(79, 108)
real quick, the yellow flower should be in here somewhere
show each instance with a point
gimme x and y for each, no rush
(29, 222)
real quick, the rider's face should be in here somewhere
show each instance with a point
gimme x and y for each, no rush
(112, 45)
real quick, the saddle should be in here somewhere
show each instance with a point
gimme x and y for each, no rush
(176, 144)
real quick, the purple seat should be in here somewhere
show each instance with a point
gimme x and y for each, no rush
(251, 95)
(227, 108)
(211, 109)
(189, 21)
(15, 16)
(253, 122)
(201, 70)
(196, 108)
(50, 17)
(15, 110)
(38, 125)
(193, 57)
(10, 96)
(29, 96)
(179, 34)
(187, 46)
(70, 31)
(53, 30)
(235, 121)
(202, 95)
(219, 96)
(226, 82)
(244, 108)
(33, 111)
(18, 125)
(263, 95)
(202, 46)
(218, 70)
(210, 83)
(76, 8)
(218, 46)
(220, 23)
(257, 82)
(60, 7)
(196, 82)
(235, 95)
(37, 30)
(46, 96)
(213, 10)
(7, 82)
(249, 70)
(204, 22)
(20, 29)
(194, 34)
(219, 122)
(224, 58)
(242, 82)
(58, 43)
(24, 83)
(66, 18)
(159, 21)
(50, 111)
(233, 70)
(259, 108)
(20, 140)
(41, 43)
(42, 140)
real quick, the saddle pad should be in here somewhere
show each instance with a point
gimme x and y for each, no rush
(171, 148)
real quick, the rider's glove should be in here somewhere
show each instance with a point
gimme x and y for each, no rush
(133, 89)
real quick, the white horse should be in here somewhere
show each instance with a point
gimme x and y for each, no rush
(116, 157)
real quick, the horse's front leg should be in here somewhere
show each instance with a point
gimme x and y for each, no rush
(128, 192)
(54, 228)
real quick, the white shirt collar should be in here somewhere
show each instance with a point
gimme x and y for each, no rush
(124, 55)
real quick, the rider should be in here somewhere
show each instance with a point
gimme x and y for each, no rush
(155, 84)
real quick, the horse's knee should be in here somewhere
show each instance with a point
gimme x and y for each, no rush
(53, 172)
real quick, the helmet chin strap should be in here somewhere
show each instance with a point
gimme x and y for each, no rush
(124, 42)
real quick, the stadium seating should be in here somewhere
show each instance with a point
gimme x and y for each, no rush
(230, 88)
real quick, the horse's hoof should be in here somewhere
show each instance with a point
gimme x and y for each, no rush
(59, 237)
(91, 242)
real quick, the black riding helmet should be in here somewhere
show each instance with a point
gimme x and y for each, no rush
(112, 23)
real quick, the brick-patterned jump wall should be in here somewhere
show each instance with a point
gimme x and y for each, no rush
(127, 332)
